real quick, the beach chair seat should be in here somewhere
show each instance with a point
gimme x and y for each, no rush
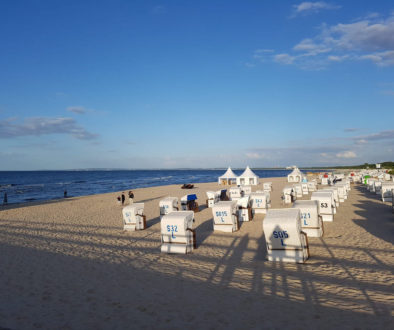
(342, 191)
(311, 220)
(235, 193)
(225, 216)
(326, 204)
(212, 198)
(168, 205)
(259, 202)
(133, 217)
(284, 238)
(244, 209)
(177, 234)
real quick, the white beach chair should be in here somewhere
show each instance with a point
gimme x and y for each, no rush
(311, 186)
(133, 217)
(298, 190)
(284, 238)
(304, 188)
(177, 234)
(311, 220)
(259, 202)
(334, 190)
(267, 186)
(387, 191)
(378, 187)
(326, 204)
(246, 190)
(225, 216)
(235, 193)
(168, 205)
(212, 198)
(342, 191)
(244, 209)
(288, 195)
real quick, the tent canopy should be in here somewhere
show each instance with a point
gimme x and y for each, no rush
(248, 173)
(228, 175)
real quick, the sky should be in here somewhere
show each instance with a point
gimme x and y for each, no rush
(196, 84)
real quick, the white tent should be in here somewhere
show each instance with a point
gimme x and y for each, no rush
(227, 178)
(295, 176)
(248, 178)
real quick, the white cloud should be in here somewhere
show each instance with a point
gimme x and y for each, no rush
(383, 135)
(254, 155)
(37, 126)
(307, 7)
(284, 58)
(346, 154)
(76, 109)
(369, 39)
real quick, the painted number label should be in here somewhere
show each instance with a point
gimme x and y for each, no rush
(324, 205)
(258, 202)
(281, 235)
(172, 229)
(221, 215)
(305, 216)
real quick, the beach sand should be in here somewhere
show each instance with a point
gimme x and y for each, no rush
(68, 264)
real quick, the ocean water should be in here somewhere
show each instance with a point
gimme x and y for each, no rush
(25, 186)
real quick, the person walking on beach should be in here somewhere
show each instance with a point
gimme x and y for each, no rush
(5, 200)
(118, 198)
(123, 198)
(131, 196)
(65, 194)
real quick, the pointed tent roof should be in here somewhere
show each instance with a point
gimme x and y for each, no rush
(248, 173)
(229, 174)
(296, 171)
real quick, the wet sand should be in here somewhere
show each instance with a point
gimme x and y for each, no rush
(68, 264)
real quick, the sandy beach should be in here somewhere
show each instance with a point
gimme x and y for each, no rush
(68, 264)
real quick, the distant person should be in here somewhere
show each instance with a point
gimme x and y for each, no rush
(5, 200)
(131, 196)
(65, 194)
(118, 198)
(123, 198)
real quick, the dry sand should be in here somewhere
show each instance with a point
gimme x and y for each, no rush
(69, 265)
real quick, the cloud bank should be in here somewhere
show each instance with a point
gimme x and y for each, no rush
(38, 126)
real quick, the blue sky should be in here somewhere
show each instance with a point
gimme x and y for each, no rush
(148, 84)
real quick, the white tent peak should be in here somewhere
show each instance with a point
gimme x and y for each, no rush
(248, 173)
(229, 174)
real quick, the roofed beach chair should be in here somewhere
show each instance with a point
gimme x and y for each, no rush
(133, 217)
(259, 202)
(311, 220)
(177, 234)
(188, 203)
(225, 216)
(168, 205)
(284, 239)
(244, 209)
(326, 204)
(235, 193)
(212, 198)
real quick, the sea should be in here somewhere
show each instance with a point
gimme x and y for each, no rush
(29, 186)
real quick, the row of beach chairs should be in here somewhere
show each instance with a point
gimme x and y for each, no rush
(286, 230)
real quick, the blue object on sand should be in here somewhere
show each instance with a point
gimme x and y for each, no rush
(191, 197)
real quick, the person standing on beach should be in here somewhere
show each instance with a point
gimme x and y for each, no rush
(5, 200)
(131, 196)
(65, 194)
(123, 198)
